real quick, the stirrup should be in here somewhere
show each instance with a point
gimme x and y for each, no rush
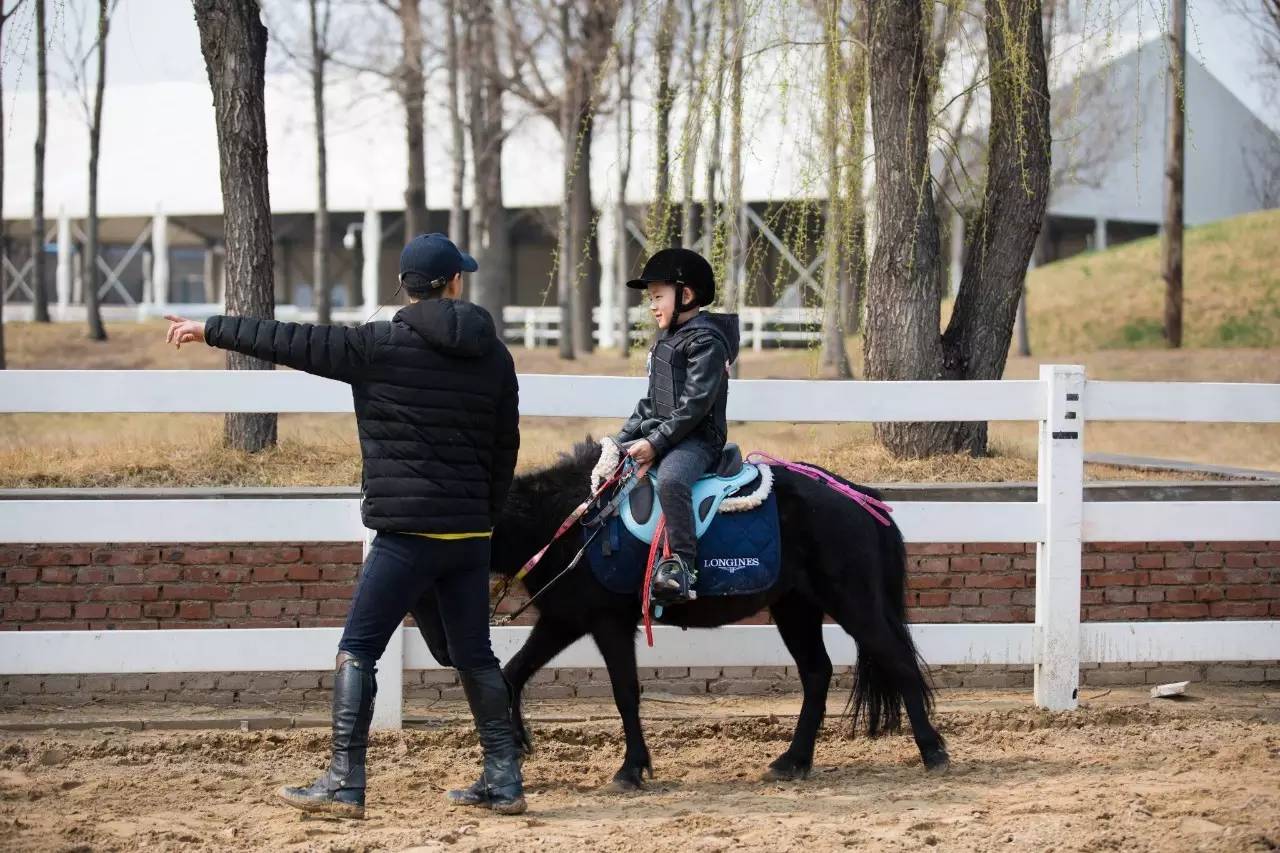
(673, 581)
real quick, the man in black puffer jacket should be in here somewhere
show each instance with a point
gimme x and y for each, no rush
(436, 404)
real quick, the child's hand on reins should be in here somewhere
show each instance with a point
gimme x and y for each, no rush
(642, 452)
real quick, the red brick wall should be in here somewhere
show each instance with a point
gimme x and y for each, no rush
(282, 586)
(1122, 582)
(150, 586)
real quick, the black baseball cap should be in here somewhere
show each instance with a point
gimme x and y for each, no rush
(435, 258)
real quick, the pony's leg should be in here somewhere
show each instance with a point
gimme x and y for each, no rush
(547, 639)
(892, 664)
(933, 749)
(617, 643)
(799, 622)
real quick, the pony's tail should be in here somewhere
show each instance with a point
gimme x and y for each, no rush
(875, 704)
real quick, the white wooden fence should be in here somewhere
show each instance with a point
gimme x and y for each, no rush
(540, 325)
(1061, 401)
(530, 325)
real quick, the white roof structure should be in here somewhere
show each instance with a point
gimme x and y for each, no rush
(1109, 137)
(159, 148)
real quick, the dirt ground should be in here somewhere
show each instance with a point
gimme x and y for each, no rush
(1123, 773)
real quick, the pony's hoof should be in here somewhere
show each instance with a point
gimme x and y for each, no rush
(937, 761)
(626, 781)
(786, 769)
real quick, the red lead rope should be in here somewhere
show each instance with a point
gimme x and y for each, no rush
(646, 594)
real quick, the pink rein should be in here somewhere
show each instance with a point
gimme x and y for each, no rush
(874, 506)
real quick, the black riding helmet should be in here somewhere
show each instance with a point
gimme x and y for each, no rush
(686, 268)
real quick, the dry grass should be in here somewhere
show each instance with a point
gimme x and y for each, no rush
(1114, 300)
(45, 451)
(321, 450)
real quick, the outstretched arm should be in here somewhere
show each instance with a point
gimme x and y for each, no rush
(334, 352)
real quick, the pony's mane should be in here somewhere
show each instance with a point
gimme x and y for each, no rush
(569, 474)
(584, 453)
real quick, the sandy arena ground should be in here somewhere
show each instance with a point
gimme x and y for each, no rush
(1124, 773)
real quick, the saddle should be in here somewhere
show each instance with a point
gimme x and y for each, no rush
(731, 486)
(738, 554)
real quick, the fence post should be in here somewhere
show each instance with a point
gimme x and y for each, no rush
(388, 710)
(1058, 554)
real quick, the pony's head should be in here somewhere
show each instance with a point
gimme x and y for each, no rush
(538, 502)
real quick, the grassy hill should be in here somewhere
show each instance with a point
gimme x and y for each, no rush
(1115, 299)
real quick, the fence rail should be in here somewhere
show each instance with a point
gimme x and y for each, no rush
(1061, 401)
(539, 325)
(530, 325)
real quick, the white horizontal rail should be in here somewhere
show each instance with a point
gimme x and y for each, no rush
(167, 391)
(312, 649)
(184, 520)
(796, 401)
(164, 520)
(181, 520)
(1163, 521)
(169, 650)
(1159, 642)
(1199, 402)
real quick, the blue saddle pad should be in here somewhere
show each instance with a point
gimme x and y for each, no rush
(739, 554)
(642, 508)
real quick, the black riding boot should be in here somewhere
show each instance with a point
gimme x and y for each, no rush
(673, 580)
(500, 786)
(340, 791)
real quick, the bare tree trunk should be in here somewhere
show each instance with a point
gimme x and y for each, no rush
(413, 92)
(1175, 119)
(583, 257)
(710, 217)
(457, 212)
(1039, 257)
(320, 265)
(833, 356)
(234, 43)
(490, 228)
(622, 259)
(976, 342)
(564, 260)
(735, 280)
(92, 282)
(691, 135)
(661, 221)
(40, 299)
(902, 312)
(853, 288)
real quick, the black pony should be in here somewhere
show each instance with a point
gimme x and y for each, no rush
(837, 561)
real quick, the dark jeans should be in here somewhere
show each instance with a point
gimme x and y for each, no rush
(399, 570)
(677, 472)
